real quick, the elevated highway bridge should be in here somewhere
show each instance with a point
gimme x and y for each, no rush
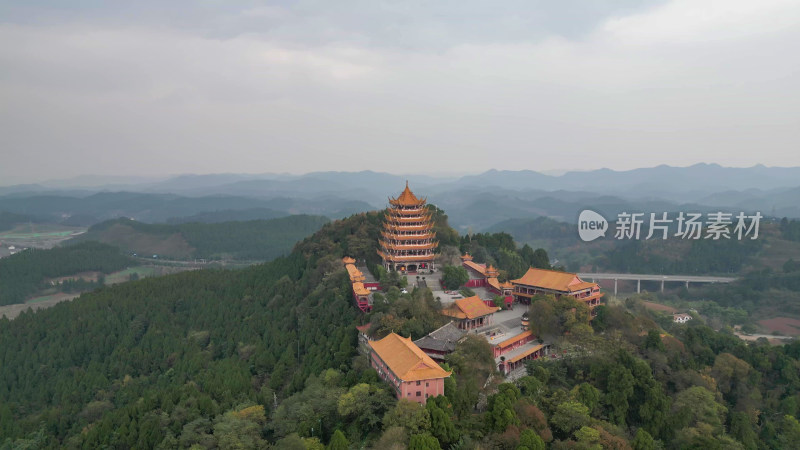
(639, 277)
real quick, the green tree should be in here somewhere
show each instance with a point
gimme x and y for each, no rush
(570, 416)
(643, 441)
(454, 277)
(530, 440)
(409, 415)
(442, 427)
(338, 441)
(586, 394)
(423, 442)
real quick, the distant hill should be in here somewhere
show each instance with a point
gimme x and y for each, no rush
(474, 202)
(229, 215)
(154, 208)
(667, 182)
(250, 240)
(10, 220)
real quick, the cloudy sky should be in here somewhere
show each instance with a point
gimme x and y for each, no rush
(155, 87)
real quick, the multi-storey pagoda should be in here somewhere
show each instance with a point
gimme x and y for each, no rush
(408, 239)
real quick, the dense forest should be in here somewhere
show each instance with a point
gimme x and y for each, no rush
(24, 273)
(10, 220)
(265, 357)
(248, 240)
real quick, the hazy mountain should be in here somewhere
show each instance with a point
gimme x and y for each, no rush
(472, 201)
(160, 207)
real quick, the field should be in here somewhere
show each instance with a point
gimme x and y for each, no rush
(46, 301)
(38, 235)
(124, 275)
(659, 307)
(784, 325)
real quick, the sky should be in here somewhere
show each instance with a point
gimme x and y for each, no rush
(152, 88)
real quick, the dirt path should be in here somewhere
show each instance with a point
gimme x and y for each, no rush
(12, 311)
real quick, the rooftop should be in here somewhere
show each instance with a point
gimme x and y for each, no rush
(407, 198)
(443, 339)
(469, 308)
(406, 360)
(553, 280)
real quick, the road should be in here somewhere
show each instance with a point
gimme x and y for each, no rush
(651, 277)
(639, 277)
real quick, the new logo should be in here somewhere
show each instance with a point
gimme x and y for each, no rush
(591, 225)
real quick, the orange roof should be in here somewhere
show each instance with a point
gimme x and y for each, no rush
(552, 280)
(480, 268)
(582, 285)
(469, 308)
(466, 257)
(359, 289)
(514, 339)
(493, 283)
(506, 284)
(407, 198)
(525, 353)
(355, 274)
(491, 271)
(348, 260)
(406, 360)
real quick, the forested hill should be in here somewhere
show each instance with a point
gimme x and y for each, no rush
(249, 240)
(24, 273)
(133, 365)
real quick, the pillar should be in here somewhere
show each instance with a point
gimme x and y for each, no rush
(638, 286)
(615, 287)
(687, 284)
(662, 285)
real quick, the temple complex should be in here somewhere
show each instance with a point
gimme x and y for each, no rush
(408, 241)
(412, 373)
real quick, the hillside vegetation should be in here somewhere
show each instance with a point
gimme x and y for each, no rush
(265, 357)
(250, 240)
(24, 273)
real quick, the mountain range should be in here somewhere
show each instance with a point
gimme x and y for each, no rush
(472, 201)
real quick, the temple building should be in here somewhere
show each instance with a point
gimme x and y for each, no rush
(481, 275)
(412, 373)
(362, 293)
(408, 240)
(470, 313)
(441, 342)
(541, 281)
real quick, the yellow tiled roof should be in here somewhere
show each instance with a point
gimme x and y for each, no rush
(514, 339)
(406, 360)
(348, 260)
(480, 268)
(525, 353)
(359, 289)
(355, 274)
(582, 285)
(469, 308)
(552, 280)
